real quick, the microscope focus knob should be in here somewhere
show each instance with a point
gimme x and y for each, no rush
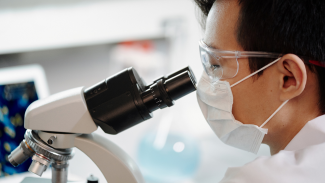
(92, 179)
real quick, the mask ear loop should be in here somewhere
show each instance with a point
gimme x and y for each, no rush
(268, 65)
(268, 119)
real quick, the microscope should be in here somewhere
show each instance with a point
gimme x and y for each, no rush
(57, 124)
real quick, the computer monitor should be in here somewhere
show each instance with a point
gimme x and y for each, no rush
(19, 87)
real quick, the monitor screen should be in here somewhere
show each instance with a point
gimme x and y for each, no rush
(14, 100)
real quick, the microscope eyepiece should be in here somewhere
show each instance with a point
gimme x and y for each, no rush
(124, 100)
(165, 91)
(180, 85)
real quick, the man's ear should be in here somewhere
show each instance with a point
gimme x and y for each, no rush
(293, 76)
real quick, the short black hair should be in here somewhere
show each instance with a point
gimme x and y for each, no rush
(281, 26)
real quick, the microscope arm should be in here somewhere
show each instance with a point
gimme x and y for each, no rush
(114, 163)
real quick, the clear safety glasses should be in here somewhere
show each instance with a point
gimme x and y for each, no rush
(222, 64)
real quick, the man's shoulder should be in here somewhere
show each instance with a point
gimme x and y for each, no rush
(304, 165)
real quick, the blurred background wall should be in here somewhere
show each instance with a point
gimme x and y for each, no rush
(79, 43)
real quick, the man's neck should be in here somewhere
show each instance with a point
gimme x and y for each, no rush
(283, 140)
(287, 125)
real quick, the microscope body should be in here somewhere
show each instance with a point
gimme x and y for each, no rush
(68, 119)
(61, 122)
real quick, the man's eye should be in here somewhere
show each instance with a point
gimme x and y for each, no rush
(215, 67)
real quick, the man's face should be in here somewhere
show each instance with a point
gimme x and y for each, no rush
(254, 99)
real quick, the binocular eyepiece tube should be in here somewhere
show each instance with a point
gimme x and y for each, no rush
(124, 100)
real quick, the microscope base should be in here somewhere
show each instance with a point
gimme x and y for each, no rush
(42, 180)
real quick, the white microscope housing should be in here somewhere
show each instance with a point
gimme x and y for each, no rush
(62, 112)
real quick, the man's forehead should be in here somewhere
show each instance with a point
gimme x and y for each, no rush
(221, 25)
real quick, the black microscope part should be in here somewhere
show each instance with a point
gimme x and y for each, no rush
(124, 100)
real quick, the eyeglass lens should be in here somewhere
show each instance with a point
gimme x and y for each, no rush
(217, 67)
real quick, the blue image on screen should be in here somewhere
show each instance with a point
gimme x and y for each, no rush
(14, 100)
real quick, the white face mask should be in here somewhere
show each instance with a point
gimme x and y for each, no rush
(216, 100)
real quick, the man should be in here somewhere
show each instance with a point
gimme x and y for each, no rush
(265, 83)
